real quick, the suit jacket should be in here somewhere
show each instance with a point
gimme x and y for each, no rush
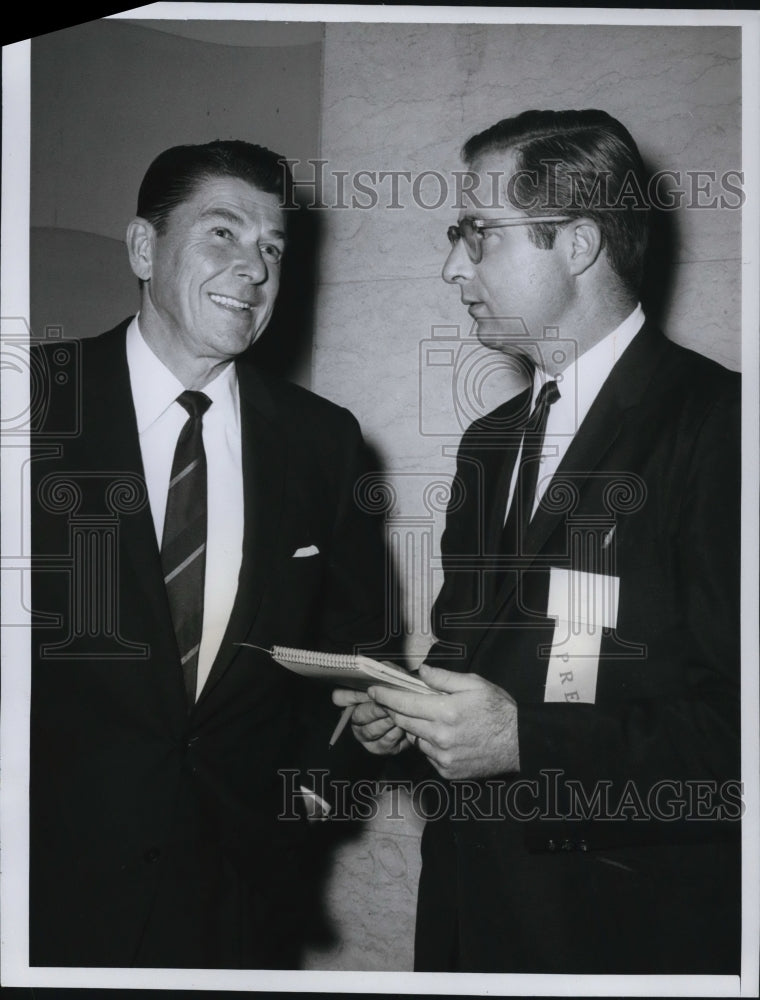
(155, 837)
(598, 856)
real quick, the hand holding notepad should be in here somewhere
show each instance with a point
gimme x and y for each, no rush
(346, 671)
(357, 672)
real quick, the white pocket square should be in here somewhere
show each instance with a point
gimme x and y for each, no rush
(309, 550)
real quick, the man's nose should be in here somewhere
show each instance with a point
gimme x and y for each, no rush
(457, 266)
(252, 265)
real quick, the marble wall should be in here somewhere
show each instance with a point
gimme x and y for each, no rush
(394, 344)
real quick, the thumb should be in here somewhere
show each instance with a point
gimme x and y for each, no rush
(448, 681)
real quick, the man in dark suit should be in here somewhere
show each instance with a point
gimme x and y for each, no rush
(586, 724)
(189, 512)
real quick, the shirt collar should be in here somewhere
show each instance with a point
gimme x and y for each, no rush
(580, 382)
(155, 388)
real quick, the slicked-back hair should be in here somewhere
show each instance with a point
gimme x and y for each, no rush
(580, 164)
(174, 175)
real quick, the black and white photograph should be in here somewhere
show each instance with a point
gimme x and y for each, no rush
(379, 502)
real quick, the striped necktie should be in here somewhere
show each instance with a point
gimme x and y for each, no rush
(183, 548)
(521, 508)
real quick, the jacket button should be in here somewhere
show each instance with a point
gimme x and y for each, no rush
(152, 855)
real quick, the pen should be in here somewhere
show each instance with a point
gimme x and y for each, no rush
(345, 715)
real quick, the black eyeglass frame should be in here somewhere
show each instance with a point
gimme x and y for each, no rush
(467, 229)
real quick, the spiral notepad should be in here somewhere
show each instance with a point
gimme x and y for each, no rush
(345, 670)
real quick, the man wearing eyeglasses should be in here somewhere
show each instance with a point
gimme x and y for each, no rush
(583, 742)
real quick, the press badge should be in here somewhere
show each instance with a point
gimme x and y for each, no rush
(583, 604)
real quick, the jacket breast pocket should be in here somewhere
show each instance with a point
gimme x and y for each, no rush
(297, 593)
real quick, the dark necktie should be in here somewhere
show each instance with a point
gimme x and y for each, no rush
(521, 508)
(183, 548)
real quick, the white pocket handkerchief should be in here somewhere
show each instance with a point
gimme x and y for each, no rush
(309, 550)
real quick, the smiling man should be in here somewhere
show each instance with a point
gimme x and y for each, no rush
(201, 513)
(583, 746)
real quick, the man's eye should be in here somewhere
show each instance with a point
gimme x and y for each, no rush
(272, 252)
(224, 233)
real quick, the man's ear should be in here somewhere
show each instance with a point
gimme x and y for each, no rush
(584, 244)
(140, 239)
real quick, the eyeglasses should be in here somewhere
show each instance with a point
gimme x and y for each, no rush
(471, 231)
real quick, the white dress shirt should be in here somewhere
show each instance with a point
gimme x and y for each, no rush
(160, 419)
(579, 385)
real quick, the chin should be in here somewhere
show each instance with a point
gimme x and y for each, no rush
(233, 343)
(510, 337)
(495, 337)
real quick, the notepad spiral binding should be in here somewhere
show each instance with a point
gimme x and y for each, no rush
(331, 661)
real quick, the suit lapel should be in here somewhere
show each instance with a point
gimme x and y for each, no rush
(113, 443)
(504, 454)
(595, 438)
(264, 465)
(587, 450)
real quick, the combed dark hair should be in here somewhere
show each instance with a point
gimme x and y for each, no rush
(175, 174)
(576, 163)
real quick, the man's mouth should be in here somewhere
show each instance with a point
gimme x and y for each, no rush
(229, 302)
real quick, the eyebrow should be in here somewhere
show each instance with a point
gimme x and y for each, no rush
(221, 213)
(235, 219)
